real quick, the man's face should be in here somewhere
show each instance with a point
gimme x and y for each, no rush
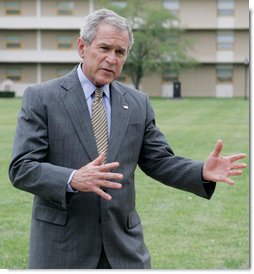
(105, 56)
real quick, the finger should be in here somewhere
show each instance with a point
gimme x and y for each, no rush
(218, 148)
(228, 181)
(110, 176)
(109, 166)
(237, 157)
(238, 166)
(108, 184)
(103, 194)
(235, 172)
(99, 160)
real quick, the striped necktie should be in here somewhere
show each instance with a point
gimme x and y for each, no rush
(99, 122)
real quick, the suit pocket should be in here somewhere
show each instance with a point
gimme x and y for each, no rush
(133, 219)
(50, 214)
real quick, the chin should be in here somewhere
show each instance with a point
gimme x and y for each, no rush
(103, 82)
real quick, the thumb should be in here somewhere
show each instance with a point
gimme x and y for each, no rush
(218, 148)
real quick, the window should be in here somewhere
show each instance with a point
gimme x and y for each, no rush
(225, 40)
(13, 74)
(169, 75)
(119, 4)
(65, 7)
(172, 6)
(13, 41)
(64, 42)
(225, 7)
(224, 73)
(12, 7)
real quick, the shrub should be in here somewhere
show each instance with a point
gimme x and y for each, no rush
(7, 94)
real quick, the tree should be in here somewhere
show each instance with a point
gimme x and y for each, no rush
(157, 38)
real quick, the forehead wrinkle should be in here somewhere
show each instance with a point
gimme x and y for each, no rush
(110, 35)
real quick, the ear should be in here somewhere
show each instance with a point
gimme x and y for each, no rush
(81, 47)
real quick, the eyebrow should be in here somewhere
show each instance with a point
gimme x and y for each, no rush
(110, 46)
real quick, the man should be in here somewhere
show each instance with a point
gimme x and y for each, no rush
(84, 197)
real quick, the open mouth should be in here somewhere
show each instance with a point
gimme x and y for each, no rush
(108, 70)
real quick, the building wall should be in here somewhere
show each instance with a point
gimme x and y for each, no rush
(151, 84)
(203, 14)
(241, 13)
(241, 46)
(203, 44)
(240, 83)
(27, 39)
(51, 71)
(199, 81)
(50, 39)
(196, 15)
(28, 8)
(50, 8)
(27, 72)
(41, 56)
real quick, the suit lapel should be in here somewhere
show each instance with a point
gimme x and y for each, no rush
(119, 121)
(75, 103)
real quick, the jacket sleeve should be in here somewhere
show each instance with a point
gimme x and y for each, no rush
(157, 160)
(29, 169)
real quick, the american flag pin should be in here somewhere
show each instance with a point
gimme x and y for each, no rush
(125, 107)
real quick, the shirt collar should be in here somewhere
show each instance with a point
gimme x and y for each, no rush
(87, 86)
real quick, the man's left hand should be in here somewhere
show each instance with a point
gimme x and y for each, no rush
(218, 168)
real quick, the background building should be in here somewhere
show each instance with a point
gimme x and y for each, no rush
(38, 43)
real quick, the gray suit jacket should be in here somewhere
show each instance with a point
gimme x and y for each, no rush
(54, 136)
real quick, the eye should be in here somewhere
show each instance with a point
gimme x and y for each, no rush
(103, 47)
(120, 53)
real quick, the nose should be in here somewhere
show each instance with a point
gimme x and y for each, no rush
(111, 57)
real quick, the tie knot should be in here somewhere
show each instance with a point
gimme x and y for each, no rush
(98, 93)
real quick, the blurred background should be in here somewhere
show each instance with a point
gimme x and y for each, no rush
(38, 43)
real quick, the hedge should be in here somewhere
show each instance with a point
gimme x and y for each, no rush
(7, 94)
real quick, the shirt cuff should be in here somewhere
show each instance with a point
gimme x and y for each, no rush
(68, 186)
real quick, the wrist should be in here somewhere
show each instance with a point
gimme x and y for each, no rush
(203, 174)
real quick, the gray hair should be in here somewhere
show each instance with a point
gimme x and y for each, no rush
(105, 16)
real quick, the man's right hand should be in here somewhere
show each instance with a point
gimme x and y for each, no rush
(93, 176)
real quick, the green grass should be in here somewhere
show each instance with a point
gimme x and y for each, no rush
(182, 231)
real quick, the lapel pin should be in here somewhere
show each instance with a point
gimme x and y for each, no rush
(125, 107)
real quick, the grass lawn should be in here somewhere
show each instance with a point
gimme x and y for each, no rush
(182, 231)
